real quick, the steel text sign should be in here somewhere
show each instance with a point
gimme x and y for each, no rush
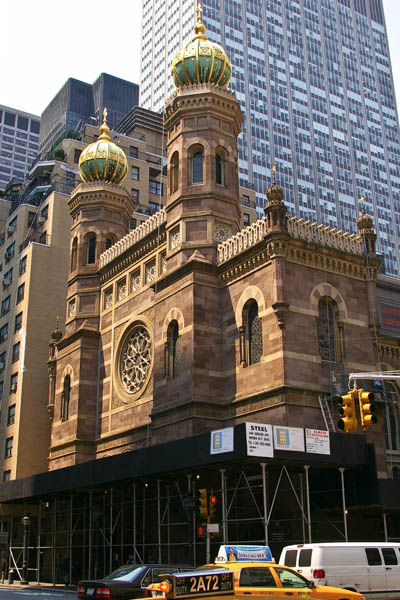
(259, 440)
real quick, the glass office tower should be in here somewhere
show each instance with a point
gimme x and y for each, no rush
(77, 102)
(315, 83)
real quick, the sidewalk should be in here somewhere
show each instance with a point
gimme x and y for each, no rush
(58, 587)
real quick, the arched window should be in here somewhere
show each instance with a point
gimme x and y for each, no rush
(65, 398)
(327, 330)
(74, 253)
(173, 356)
(220, 167)
(197, 159)
(251, 342)
(174, 172)
(109, 243)
(91, 250)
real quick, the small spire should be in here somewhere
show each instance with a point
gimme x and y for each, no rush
(104, 128)
(273, 175)
(199, 28)
(362, 201)
(57, 323)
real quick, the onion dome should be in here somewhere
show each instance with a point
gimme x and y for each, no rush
(364, 221)
(201, 61)
(56, 334)
(274, 192)
(103, 160)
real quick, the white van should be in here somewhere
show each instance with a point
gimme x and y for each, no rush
(372, 569)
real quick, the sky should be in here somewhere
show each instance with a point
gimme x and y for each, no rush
(44, 43)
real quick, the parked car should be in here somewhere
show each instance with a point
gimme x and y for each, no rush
(128, 581)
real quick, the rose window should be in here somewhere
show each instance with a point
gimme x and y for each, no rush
(136, 360)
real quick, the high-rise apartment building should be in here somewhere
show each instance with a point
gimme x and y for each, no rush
(19, 138)
(315, 84)
(77, 102)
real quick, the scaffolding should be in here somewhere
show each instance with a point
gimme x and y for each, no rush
(75, 536)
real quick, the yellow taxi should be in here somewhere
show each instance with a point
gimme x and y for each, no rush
(273, 581)
(246, 571)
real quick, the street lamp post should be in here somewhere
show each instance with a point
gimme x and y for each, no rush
(25, 522)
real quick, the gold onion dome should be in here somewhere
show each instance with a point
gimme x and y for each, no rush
(274, 192)
(201, 61)
(103, 160)
(364, 221)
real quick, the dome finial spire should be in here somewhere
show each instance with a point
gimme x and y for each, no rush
(104, 128)
(199, 28)
(362, 200)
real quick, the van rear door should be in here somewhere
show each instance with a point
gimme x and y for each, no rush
(376, 572)
(392, 568)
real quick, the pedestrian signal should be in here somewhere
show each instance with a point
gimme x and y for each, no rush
(347, 412)
(367, 409)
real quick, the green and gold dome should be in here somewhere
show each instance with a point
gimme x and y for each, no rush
(201, 61)
(103, 160)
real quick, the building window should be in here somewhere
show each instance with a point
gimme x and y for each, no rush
(10, 252)
(173, 354)
(77, 154)
(1, 388)
(174, 172)
(326, 330)
(74, 253)
(15, 352)
(65, 399)
(43, 237)
(13, 383)
(3, 333)
(220, 167)
(7, 280)
(135, 173)
(133, 152)
(91, 250)
(155, 187)
(9, 447)
(6, 475)
(22, 265)
(132, 224)
(20, 292)
(12, 227)
(5, 305)
(109, 243)
(135, 195)
(44, 213)
(251, 343)
(18, 322)
(246, 219)
(197, 166)
(11, 415)
(2, 363)
(31, 218)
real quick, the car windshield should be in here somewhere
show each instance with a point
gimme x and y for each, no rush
(125, 573)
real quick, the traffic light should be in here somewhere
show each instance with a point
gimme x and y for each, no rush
(367, 409)
(347, 411)
(201, 496)
(212, 506)
(202, 531)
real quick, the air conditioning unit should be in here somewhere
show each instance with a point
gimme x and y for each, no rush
(11, 229)
(13, 387)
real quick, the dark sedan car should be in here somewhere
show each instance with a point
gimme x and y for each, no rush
(128, 581)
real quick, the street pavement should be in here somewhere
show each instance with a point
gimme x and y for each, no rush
(36, 590)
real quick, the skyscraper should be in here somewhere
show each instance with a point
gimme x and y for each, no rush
(77, 101)
(315, 84)
(19, 137)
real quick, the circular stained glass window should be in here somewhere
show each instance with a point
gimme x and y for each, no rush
(135, 359)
